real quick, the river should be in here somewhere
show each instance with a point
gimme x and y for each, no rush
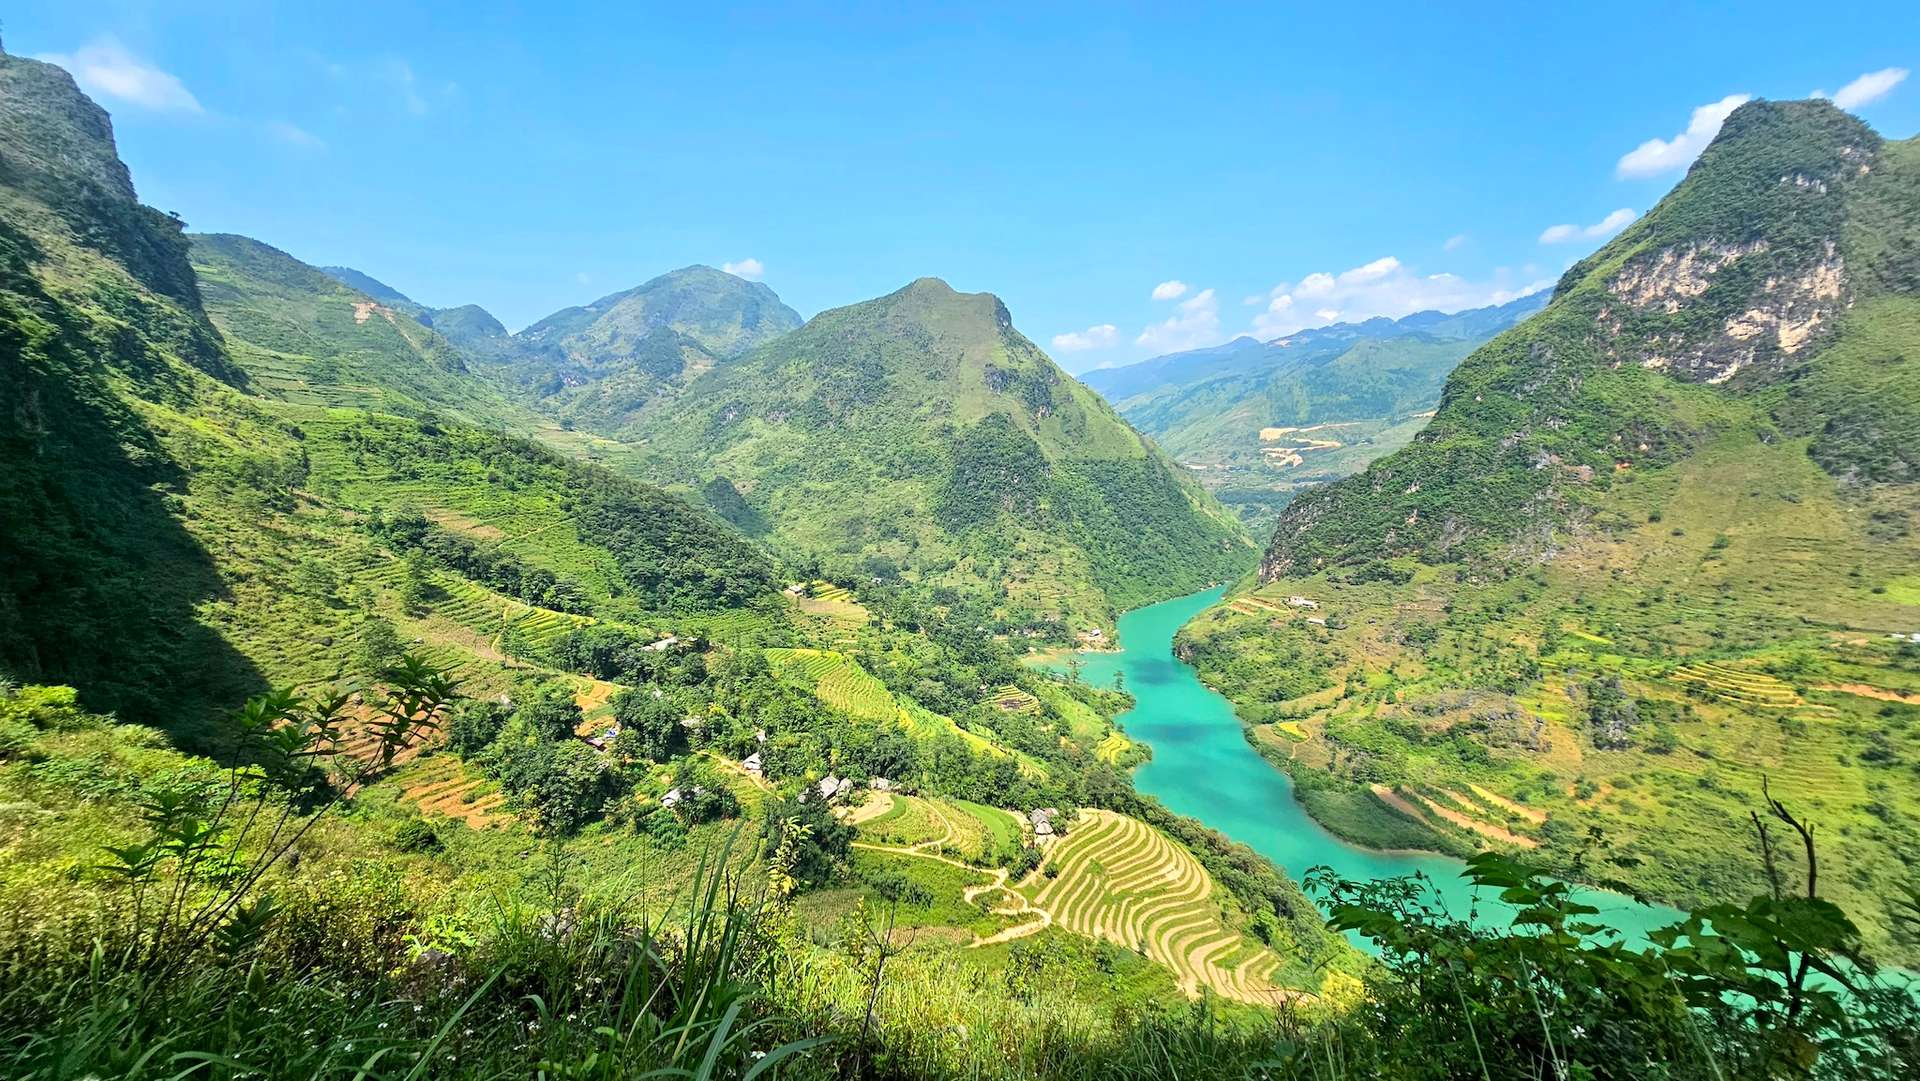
(1204, 768)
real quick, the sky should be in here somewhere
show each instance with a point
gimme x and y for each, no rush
(1130, 180)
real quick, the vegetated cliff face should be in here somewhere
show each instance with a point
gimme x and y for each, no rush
(1741, 280)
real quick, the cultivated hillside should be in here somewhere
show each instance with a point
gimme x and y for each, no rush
(303, 335)
(1262, 421)
(920, 433)
(1650, 553)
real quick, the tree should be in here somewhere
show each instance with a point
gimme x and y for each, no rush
(650, 726)
(550, 712)
(820, 842)
(378, 647)
(474, 726)
(416, 589)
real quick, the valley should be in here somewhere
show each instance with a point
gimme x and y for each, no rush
(1243, 415)
(682, 686)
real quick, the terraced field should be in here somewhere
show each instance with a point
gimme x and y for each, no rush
(835, 679)
(1113, 748)
(1739, 685)
(1012, 699)
(442, 787)
(832, 602)
(1121, 880)
(929, 825)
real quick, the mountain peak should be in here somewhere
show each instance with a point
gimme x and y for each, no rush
(361, 282)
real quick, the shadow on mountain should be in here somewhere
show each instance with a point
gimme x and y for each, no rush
(99, 580)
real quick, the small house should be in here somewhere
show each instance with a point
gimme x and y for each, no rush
(1302, 602)
(672, 799)
(752, 764)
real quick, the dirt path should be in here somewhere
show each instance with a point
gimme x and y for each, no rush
(877, 804)
(1863, 690)
(1464, 821)
(998, 881)
(1399, 803)
(1530, 814)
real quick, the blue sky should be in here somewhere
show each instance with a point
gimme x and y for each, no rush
(1131, 180)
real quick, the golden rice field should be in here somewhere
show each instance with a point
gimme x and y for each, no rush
(1121, 880)
(1739, 685)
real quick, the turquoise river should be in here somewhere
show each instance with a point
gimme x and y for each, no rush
(1204, 768)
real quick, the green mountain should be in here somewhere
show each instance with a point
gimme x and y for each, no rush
(203, 443)
(105, 356)
(601, 365)
(1649, 554)
(373, 288)
(303, 335)
(1263, 421)
(920, 433)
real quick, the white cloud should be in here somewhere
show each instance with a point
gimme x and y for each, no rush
(1656, 156)
(104, 68)
(295, 135)
(1170, 289)
(1314, 285)
(749, 268)
(1384, 287)
(1079, 341)
(1454, 242)
(1867, 89)
(582, 277)
(1373, 271)
(1605, 227)
(1196, 323)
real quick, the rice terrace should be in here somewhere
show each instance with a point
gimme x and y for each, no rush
(605, 542)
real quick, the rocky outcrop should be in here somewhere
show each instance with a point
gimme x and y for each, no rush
(1693, 312)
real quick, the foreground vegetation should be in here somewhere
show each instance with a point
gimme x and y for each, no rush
(237, 933)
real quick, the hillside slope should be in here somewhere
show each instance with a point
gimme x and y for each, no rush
(1262, 421)
(188, 514)
(1651, 554)
(304, 336)
(920, 432)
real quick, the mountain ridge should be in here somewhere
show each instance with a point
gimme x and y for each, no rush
(919, 429)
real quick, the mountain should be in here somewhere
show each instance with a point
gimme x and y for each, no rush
(201, 455)
(105, 353)
(1262, 421)
(373, 288)
(1647, 556)
(599, 366)
(920, 432)
(304, 335)
(1245, 354)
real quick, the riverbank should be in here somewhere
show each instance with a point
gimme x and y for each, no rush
(1204, 767)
